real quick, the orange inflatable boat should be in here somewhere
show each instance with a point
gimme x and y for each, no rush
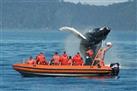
(66, 70)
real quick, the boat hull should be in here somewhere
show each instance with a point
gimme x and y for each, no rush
(61, 71)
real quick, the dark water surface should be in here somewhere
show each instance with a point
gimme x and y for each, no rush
(16, 46)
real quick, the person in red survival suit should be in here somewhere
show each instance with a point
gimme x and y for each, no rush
(70, 61)
(89, 56)
(99, 59)
(77, 59)
(40, 59)
(89, 52)
(31, 60)
(64, 59)
(55, 59)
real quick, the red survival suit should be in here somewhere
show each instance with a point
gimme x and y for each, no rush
(77, 59)
(40, 59)
(70, 61)
(64, 59)
(31, 61)
(89, 52)
(55, 59)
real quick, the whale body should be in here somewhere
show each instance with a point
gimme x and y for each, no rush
(92, 39)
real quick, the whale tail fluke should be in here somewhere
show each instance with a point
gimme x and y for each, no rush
(74, 31)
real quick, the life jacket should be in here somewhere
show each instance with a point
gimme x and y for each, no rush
(90, 53)
(32, 61)
(41, 59)
(56, 59)
(77, 60)
(70, 61)
(64, 59)
(65, 55)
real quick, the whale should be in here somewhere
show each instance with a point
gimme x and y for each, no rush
(92, 39)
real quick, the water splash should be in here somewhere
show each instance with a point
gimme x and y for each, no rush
(72, 45)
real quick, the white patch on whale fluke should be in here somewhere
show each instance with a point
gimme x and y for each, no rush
(73, 30)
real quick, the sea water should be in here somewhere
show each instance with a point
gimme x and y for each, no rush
(18, 45)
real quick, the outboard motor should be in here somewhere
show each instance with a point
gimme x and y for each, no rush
(115, 69)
